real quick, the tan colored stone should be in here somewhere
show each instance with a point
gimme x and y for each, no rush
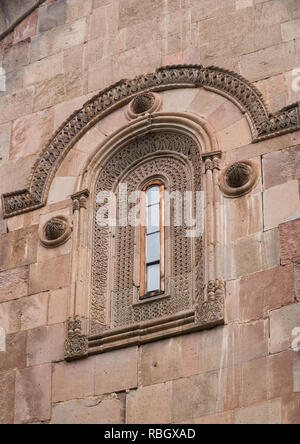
(116, 371)
(113, 122)
(290, 409)
(50, 275)
(244, 216)
(14, 174)
(297, 371)
(43, 70)
(75, 9)
(289, 241)
(52, 15)
(180, 100)
(73, 380)
(18, 248)
(104, 20)
(274, 91)
(235, 136)
(150, 405)
(281, 204)
(254, 296)
(13, 106)
(7, 397)
(61, 189)
(15, 354)
(27, 28)
(33, 394)
(252, 254)
(281, 166)
(267, 413)
(283, 324)
(24, 314)
(13, 284)
(64, 110)
(49, 93)
(31, 133)
(90, 141)
(5, 134)
(16, 57)
(58, 306)
(100, 75)
(45, 345)
(268, 62)
(225, 116)
(219, 419)
(72, 164)
(290, 30)
(89, 411)
(297, 280)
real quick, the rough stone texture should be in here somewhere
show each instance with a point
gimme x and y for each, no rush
(254, 296)
(297, 370)
(45, 345)
(297, 280)
(282, 324)
(267, 413)
(58, 306)
(15, 355)
(281, 204)
(18, 248)
(289, 241)
(281, 166)
(27, 28)
(291, 408)
(33, 394)
(7, 397)
(13, 284)
(5, 134)
(52, 15)
(89, 411)
(56, 274)
(116, 371)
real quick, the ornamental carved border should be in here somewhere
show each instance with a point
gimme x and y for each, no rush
(231, 85)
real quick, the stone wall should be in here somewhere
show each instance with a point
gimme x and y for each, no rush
(244, 372)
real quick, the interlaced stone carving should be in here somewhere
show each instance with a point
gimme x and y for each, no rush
(54, 229)
(239, 178)
(142, 103)
(263, 124)
(55, 232)
(238, 175)
(180, 174)
(76, 344)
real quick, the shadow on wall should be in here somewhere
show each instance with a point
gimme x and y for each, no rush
(11, 11)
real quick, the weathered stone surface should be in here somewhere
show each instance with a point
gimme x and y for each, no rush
(290, 30)
(178, 102)
(58, 306)
(52, 15)
(297, 370)
(235, 136)
(24, 314)
(75, 9)
(73, 380)
(13, 106)
(18, 248)
(89, 411)
(219, 419)
(150, 405)
(43, 70)
(281, 204)
(297, 280)
(254, 296)
(61, 189)
(104, 20)
(5, 133)
(31, 133)
(267, 413)
(13, 284)
(49, 93)
(27, 28)
(14, 174)
(252, 254)
(282, 324)
(33, 394)
(45, 345)
(56, 274)
(281, 166)
(15, 355)
(290, 409)
(116, 371)
(289, 241)
(16, 57)
(226, 115)
(7, 397)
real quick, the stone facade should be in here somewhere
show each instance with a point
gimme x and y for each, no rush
(58, 62)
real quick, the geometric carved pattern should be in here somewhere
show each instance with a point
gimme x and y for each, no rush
(181, 174)
(55, 232)
(239, 178)
(229, 84)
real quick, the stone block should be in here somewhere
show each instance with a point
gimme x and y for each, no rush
(297, 280)
(266, 413)
(244, 216)
(206, 102)
(45, 345)
(13, 284)
(289, 241)
(281, 166)
(235, 136)
(49, 93)
(195, 397)
(104, 21)
(73, 380)
(61, 189)
(58, 306)
(268, 62)
(219, 419)
(16, 57)
(52, 15)
(50, 275)
(18, 248)
(99, 79)
(89, 411)
(283, 323)
(254, 296)
(116, 371)
(73, 59)
(13, 106)
(180, 100)
(75, 9)
(5, 134)
(7, 398)
(252, 254)
(14, 174)
(58, 39)
(290, 30)
(150, 405)
(43, 70)
(72, 164)
(297, 370)
(24, 314)
(15, 354)
(273, 90)
(27, 28)
(64, 110)
(33, 394)
(281, 204)
(291, 409)
(226, 115)
(31, 133)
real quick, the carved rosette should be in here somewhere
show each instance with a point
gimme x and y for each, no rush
(76, 344)
(239, 178)
(145, 103)
(211, 312)
(56, 231)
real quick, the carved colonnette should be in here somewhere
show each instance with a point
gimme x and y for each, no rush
(263, 124)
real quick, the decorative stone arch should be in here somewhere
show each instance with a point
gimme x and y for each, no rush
(234, 87)
(90, 329)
